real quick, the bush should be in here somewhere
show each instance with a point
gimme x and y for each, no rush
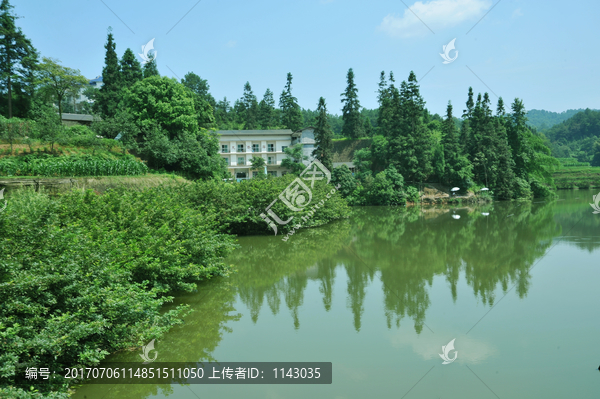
(83, 275)
(522, 189)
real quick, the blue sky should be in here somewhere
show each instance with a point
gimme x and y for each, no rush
(541, 51)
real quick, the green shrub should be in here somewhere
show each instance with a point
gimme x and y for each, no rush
(84, 275)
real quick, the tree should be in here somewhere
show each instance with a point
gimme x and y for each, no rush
(457, 168)
(51, 129)
(258, 163)
(266, 111)
(131, 70)
(411, 142)
(465, 132)
(294, 157)
(250, 108)
(353, 126)
(150, 68)
(384, 113)
(323, 136)
(60, 81)
(291, 115)
(596, 158)
(107, 98)
(13, 129)
(164, 112)
(18, 58)
(199, 86)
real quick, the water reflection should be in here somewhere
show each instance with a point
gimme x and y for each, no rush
(495, 246)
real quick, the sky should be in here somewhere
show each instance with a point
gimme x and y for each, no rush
(542, 52)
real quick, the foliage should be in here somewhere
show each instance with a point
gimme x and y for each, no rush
(353, 124)
(106, 100)
(86, 275)
(59, 81)
(323, 137)
(291, 116)
(18, 60)
(71, 165)
(294, 158)
(257, 162)
(131, 70)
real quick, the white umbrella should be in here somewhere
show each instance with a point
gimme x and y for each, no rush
(485, 213)
(455, 189)
(485, 189)
(456, 216)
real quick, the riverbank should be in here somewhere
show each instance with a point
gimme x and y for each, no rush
(574, 177)
(86, 275)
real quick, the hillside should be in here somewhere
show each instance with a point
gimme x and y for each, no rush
(542, 119)
(575, 137)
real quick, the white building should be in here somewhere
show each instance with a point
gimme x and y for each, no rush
(237, 147)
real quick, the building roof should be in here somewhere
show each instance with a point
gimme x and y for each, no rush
(96, 79)
(255, 132)
(77, 117)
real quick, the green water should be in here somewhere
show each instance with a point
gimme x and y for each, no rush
(378, 295)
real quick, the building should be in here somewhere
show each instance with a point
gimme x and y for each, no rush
(237, 147)
(77, 119)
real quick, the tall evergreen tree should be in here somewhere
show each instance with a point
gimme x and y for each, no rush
(107, 98)
(291, 115)
(18, 60)
(223, 114)
(353, 126)
(465, 132)
(517, 132)
(250, 108)
(412, 143)
(131, 70)
(457, 168)
(266, 110)
(384, 114)
(323, 136)
(150, 68)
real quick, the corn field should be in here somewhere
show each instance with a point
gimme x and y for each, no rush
(70, 166)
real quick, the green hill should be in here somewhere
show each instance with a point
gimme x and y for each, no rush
(542, 119)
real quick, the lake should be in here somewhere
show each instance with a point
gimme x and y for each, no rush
(516, 285)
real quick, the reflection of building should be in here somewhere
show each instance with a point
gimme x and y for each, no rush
(237, 147)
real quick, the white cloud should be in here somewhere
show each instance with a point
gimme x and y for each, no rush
(437, 14)
(470, 350)
(517, 13)
(231, 43)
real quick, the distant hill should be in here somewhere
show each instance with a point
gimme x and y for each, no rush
(542, 120)
(575, 137)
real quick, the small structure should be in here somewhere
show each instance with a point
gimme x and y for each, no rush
(77, 119)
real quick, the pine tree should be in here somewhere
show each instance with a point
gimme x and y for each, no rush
(517, 133)
(131, 70)
(412, 143)
(353, 126)
(457, 168)
(465, 132)
(323, 136)
(250, 108)
(107, 98)
(266, 110)
(368, 127)
(18, 60)
(291, 115)
(385, 111)
(150, 68)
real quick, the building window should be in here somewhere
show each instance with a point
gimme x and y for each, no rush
(226, 160)
(284, 173)
(283, 147)
(240, 175)
(255, 148)
(241, 161)
(240, 148)
(271, 147)
(272, 173)
(269, 160)
(224, 148)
